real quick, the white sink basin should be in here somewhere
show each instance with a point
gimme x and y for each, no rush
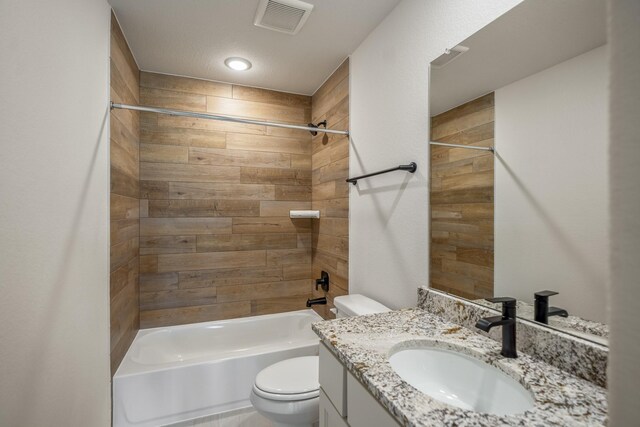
(461, 381)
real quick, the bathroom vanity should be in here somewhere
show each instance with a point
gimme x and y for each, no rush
(361, 385)
(344, 401)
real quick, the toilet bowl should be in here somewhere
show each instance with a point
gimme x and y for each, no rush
(287, 392)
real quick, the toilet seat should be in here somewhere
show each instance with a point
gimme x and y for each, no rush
(289, 380)
(286, 397)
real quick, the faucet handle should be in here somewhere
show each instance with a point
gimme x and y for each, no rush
(505, 301)
(508, 306)
(544, 294)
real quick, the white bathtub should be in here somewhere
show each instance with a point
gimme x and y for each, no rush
(178, 373)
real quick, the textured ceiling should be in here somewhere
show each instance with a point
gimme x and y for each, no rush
(533, 36)
(193, 38)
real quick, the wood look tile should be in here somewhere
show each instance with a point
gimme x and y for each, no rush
(257, 110)
(271, 144)
(156, 153)
(219, 191)
(245, 242)
(182, 315)
(124, 230)
(461, 259)
(182, 137)
(188, 173)
(210, 260)
(293, 192)
(150, 245)
(154, 190)
(264, 290)
(275, 176)
(177, 298)
(154, 282)
(248, 93)
(124, 184)
(296, 271)
(276, 257)
(282, 208)
(228, 157)
(279, 305)
(173, 100)
(125, 209)
(203, 208)
(177, 122)
(184, 226)
(183, 84)
(271, 225)
(122, 207)
(229, 276)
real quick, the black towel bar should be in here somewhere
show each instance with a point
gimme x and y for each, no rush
(411, 168)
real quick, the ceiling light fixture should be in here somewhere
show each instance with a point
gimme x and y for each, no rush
(237, 64)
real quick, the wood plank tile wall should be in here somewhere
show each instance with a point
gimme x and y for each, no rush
(462, 201)
(216, 240)
(330, 193)
(124, 215)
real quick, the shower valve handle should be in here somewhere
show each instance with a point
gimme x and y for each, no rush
(323, 281)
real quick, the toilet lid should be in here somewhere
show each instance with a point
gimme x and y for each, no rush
(297, 376)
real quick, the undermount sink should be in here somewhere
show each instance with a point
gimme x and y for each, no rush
(460, 380)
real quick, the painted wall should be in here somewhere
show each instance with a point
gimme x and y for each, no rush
(389, 214)
(216, 240)
(551, 192)
(124, 212)
(624, 370)
(54, 181)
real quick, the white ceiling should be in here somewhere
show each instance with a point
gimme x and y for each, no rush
(193, 38)
(533, 36)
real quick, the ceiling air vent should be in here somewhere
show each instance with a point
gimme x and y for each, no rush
(286, 16)
(448, 56)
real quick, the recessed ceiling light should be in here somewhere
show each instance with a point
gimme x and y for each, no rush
(238, 64)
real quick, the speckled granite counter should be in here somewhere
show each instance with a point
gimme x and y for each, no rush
(363, 343)
(582, 358)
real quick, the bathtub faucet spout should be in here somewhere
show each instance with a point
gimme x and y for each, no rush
(314, 301)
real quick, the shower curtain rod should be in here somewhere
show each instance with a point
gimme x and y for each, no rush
(224, 118)
(470, 147)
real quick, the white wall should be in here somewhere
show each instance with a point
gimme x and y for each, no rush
(624, 369)
(551, 185)
(389, 214)
(54, 185)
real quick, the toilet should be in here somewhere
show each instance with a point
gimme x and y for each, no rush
(287, 392)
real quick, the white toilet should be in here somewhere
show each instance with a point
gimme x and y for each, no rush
(287, 392)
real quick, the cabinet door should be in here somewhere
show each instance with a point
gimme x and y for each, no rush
(329, 416)
(363, 409)
(333, 379)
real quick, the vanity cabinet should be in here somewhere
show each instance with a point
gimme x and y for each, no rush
(329, 416)
(344, 402)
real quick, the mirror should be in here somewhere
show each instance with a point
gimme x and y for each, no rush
(532, 215)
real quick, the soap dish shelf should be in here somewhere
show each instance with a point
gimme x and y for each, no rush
(304, 214)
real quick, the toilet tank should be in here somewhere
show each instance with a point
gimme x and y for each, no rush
(357, 305)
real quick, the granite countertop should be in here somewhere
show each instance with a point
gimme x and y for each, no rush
(363, 344)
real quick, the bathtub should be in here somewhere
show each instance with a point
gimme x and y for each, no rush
(178, 373)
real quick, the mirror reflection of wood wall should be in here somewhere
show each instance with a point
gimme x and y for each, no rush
(462, 200)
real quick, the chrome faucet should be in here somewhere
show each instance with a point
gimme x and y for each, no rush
(508, 323)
